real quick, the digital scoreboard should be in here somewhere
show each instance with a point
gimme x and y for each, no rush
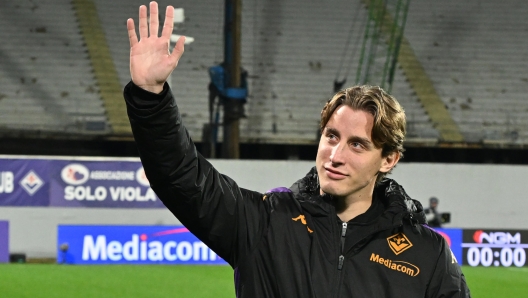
(505, 248)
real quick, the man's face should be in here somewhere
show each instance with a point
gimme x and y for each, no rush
(347, 161)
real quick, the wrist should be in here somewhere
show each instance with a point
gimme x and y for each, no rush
(157, 89)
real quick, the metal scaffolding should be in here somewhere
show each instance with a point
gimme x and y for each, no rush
(380, 46)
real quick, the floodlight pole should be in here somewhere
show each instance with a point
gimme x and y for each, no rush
(232, 60)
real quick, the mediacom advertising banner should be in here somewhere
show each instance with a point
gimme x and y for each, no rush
(132, 245)
(24, 182)
(176, 245)
(487, 247)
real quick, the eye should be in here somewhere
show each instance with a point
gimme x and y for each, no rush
(356, 145)
(331, 137)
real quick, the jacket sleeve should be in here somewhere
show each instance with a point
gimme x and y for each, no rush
(448, 279)
(228, 219)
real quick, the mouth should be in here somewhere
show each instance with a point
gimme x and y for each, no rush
(334, 174)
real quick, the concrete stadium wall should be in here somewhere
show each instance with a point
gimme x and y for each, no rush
(478, 196)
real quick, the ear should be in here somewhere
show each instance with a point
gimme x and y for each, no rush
(388, 162)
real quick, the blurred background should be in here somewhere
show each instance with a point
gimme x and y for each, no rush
(250, 86)
(460, 74)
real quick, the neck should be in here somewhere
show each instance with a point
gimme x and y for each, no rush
(348, 208)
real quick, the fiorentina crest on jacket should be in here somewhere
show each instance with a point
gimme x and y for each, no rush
(399, 243)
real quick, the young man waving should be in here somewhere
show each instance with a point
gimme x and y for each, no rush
(343, 230)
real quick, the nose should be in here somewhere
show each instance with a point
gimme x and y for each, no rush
(336, 158)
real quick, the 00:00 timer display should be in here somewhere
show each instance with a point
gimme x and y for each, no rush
(487, 256)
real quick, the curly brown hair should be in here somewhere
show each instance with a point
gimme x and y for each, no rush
(388, 132)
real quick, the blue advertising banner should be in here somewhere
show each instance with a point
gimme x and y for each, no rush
(132, 245)
(100, 184)
(75, 183)
(4, 241)
(24, 182)
(454, 239)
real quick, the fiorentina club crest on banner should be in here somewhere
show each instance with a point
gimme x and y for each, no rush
(31, 182)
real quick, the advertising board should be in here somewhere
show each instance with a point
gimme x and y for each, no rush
(488, 247)
(86, 244)
(100, 184)
(453, 237)
(78, 244)
(76, 182)
(22, 183)
(4, 241)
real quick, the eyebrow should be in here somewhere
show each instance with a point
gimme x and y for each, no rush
(351, 139)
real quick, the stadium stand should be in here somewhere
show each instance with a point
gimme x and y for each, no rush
(459, 71)
(291, 50)
(46, 77)
(474, 53)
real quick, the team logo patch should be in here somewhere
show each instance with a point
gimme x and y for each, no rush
(399, 243)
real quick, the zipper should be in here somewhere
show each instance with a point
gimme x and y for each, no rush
(342, 257)
(341, 260)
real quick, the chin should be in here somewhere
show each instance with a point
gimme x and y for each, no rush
(332, 190)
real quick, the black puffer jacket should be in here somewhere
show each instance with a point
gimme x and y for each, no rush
(290, 243)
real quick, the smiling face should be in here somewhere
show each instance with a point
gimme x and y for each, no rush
(347, 160)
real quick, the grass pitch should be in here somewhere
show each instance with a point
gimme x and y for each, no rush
(57, 281)
(115, 281)
(497, 281)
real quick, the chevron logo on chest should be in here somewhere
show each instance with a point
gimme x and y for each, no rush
(399, 243)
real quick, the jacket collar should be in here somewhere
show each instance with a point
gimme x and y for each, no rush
(398, 205)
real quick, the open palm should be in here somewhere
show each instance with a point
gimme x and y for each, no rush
(151, 63)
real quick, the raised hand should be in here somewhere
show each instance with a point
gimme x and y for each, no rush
(151, 62)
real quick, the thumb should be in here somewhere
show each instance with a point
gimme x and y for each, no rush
(178, 50)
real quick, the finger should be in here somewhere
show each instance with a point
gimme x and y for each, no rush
(168, 26)
(178, 50)
(132, 37)
(143, 27)
(154, 23)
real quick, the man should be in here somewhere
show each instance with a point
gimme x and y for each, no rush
(341, 231)
(433, 217)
